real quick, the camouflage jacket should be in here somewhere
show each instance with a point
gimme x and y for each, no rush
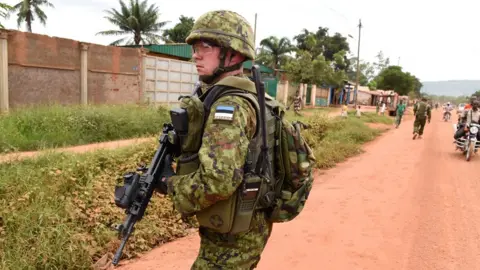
(222, 154)
(422, 110)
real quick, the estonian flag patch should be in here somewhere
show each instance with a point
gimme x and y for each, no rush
(224, 112)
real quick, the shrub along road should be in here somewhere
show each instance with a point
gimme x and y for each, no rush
(403, 204)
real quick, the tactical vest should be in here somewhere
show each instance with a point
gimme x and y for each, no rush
(233, 215)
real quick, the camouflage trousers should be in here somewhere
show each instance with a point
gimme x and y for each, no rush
(419, 125)
(241, 251)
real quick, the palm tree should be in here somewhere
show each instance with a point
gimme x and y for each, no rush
(4, 8)
(138, 19)
(29, 10)
(277, 48)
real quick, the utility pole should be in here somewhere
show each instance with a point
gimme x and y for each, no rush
(255, 39)
(358, 61)
(398, 64)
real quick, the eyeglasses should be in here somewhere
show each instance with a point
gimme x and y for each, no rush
(202, 48)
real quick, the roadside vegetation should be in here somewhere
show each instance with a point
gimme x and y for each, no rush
(42, 127)
(57, 209)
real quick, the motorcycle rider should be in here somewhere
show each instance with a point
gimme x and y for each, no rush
(468, 117)
(447, 110)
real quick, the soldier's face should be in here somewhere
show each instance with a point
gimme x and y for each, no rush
(206, 57)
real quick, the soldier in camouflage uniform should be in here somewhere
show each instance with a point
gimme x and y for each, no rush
(422, 112)
(222, 41)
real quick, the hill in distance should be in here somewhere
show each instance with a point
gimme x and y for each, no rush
(452, 88)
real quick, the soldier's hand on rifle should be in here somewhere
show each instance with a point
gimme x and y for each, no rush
(167, 172)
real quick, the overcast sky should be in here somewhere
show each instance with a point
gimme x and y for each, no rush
(434, 40)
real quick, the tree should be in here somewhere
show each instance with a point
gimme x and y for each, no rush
(277, 48)
(320, 71)
(300, 69)
(381, 63)
(4, 8)
(321, 43)
(372, 85)
(138, 19)
(180, 32)
(393, 78)
(29, 10)
(367, 71)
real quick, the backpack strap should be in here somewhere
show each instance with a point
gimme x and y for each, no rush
(219, 91)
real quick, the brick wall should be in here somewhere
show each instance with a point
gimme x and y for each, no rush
(43, 70)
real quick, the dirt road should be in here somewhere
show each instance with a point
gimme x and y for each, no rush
(403, 204)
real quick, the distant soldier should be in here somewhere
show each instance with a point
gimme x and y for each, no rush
(422, 112)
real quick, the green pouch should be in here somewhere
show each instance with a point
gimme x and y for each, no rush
(235, 214)
(196, 113)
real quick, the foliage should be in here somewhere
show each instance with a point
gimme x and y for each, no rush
(319, 71)
(276, 48)
(4, 8)
(367, 72)
(180, 32)
(56, 126)
(335, 139)
(321, 43)
(29, 10)
(58, 211)
(138, 19)
(393, 78)
(372, 85)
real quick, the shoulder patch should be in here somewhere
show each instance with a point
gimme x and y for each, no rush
(224, 112)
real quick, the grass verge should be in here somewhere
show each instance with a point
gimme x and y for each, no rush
(57, 210)
(37, 128)
(335, 139)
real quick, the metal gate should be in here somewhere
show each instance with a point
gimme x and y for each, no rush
(166, 79)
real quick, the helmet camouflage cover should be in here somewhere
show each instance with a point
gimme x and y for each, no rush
(226, 28)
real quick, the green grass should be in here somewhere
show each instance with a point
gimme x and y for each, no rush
(57, 210)
(335, 139)
(53, 126)
(371, 117)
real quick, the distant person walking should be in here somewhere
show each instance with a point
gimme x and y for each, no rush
(399, 112)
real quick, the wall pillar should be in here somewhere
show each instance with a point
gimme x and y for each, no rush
(285, 93)
(84, 73)
(313, 95)
(4, 104)
(143, 76)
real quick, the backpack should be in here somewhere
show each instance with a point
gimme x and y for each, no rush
(293, 160)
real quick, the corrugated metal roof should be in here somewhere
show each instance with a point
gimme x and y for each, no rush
(264, 69)
(184, 50)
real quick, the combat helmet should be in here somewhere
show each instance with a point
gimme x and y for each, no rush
(228, 30)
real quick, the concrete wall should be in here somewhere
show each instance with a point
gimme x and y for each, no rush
(44, 70)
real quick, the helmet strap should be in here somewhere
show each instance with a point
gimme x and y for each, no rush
(221, 69)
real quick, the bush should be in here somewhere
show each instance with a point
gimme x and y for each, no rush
(335, 139)
(36, 128)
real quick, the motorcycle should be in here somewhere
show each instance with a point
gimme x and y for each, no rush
(469, 143)
(446, 116)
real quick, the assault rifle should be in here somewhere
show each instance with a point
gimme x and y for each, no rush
(137, 190)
